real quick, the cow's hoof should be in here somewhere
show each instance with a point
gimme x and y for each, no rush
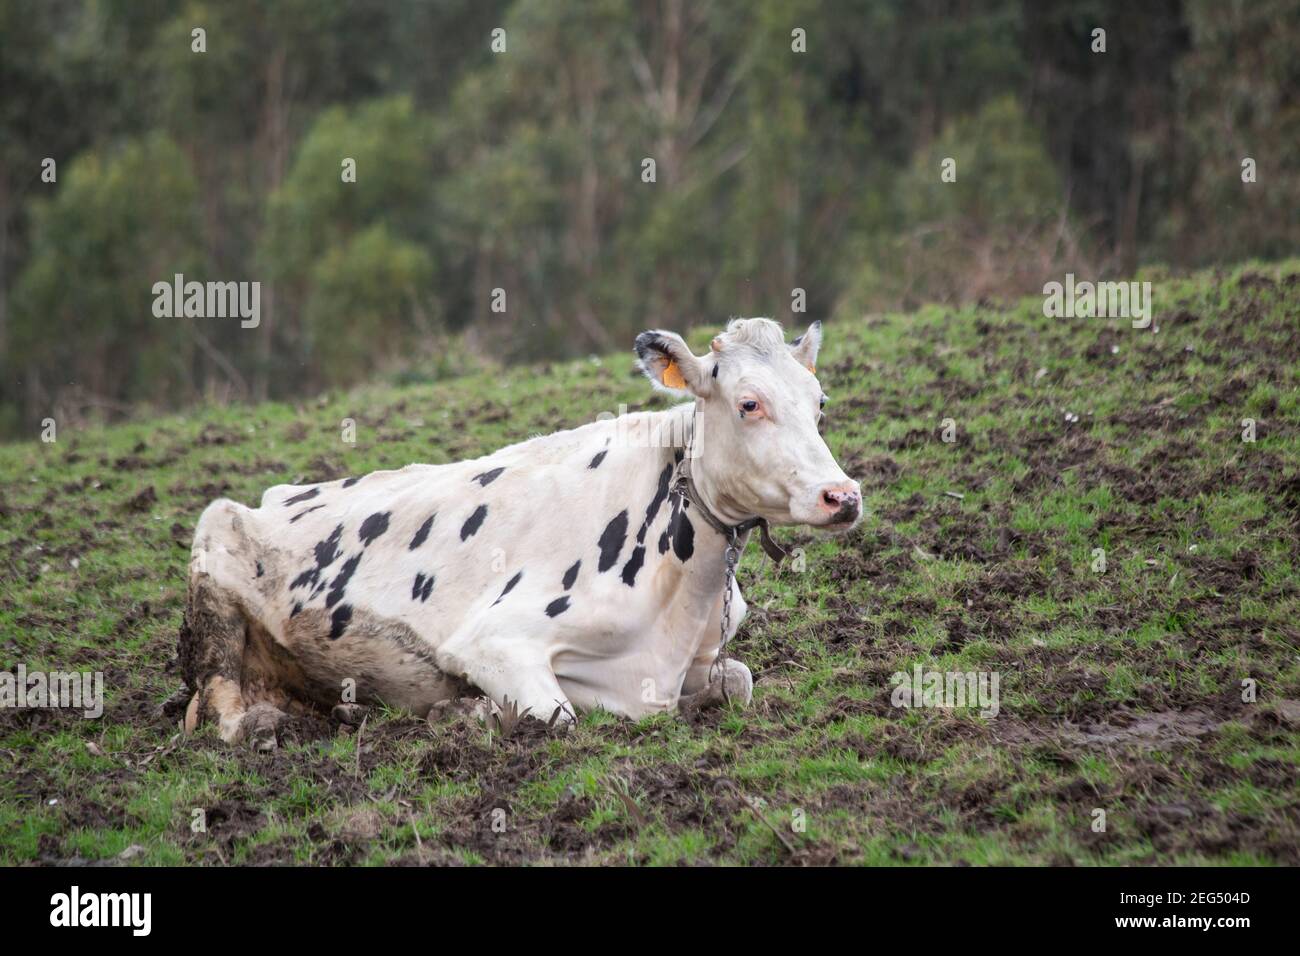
(191, 721)
(260, 727)
(736, 686)
(351, 714)
(738, 682)
(458, 707)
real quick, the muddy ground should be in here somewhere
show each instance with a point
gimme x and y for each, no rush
(1149, 711)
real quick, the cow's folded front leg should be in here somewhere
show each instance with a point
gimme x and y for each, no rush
(510, 670)
(735, 684)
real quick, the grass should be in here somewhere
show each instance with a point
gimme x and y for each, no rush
(1121, 690)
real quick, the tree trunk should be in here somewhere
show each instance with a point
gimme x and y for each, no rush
(4, 259)
(275, 145)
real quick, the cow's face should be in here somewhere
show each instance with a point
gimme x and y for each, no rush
(759, 450)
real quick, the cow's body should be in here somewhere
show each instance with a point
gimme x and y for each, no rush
(558, 573)
(566, 555)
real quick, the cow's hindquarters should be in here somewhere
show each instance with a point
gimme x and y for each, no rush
(211, 649)
(249, 658)
(222, 628)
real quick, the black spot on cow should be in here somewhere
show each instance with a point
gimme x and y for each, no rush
(473, 522)
(715, 369)
(633, 565)
(297, 609)
(595, 462)
(652, 509)
(339, 621)
(304, 496)
(666, 538)
(340, 582)
(684, 538)
(327, 552)
(305, 511)
(422, 534)
(558, 606)
(260, 570)
(510, 586)
(488, 477)
(611, 541)
(373, 527)
(423, 588)
(571, 575)
(349, 482)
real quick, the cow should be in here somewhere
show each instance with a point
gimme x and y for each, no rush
(589, 568)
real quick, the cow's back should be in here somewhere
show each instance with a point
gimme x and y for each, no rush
(431, 546)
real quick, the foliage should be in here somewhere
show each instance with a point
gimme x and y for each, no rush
(777, 168)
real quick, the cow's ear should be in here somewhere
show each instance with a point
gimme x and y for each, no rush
(669, 364)
(806, 346)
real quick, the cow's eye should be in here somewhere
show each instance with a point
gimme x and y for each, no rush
(748, 406)
(823, 402)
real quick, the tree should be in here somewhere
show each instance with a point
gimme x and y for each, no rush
(84, 331)
(1239, 89)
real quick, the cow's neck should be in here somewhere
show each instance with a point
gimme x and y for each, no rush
(686, 578)
(718, 512)
(708, 560)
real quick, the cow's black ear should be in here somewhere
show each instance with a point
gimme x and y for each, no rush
(806, 347)
(670, 364)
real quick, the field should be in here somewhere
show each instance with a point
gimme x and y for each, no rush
(1121, 689)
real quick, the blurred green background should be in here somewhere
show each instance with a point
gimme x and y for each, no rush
(522, 170)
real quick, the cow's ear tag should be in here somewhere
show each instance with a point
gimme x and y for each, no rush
(813, 369)
(673, 376)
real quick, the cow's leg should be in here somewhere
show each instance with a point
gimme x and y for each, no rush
(220, 615)
(375, 659)
(507, 664)
(702, 688)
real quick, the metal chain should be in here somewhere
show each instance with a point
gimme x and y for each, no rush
(718, 671)
(682, 485)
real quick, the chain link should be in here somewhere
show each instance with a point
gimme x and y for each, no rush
(718, 671)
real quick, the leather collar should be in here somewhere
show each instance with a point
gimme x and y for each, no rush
(731, 532)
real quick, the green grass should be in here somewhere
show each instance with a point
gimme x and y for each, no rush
(1120, 690)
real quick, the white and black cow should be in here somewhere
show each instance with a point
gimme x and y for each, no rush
(567, 571)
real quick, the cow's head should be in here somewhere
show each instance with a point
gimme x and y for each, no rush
(759, 451)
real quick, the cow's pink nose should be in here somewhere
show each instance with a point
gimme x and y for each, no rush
(843, 501)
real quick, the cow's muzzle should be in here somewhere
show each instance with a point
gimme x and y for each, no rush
(840, 504)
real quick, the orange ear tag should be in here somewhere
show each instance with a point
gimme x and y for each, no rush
(673, 376)
(813, 369)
